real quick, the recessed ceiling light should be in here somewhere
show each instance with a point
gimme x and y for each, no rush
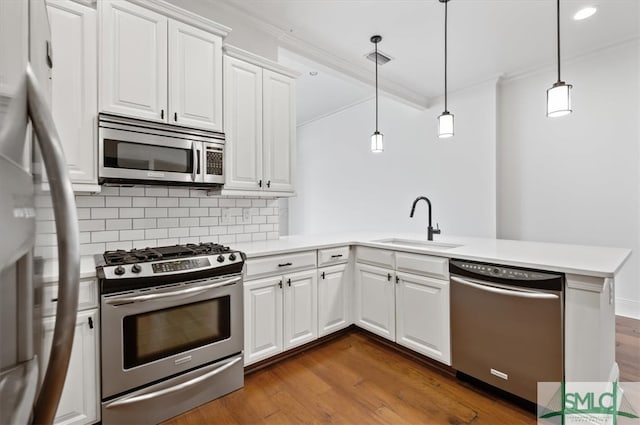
(313, 73)
(585, 13)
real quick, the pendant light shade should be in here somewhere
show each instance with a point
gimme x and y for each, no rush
(445, 120)
(376, 137)
(559, 95)
(445, 125)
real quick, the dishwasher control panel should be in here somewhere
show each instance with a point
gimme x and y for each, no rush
(506, 275)
(504, 272)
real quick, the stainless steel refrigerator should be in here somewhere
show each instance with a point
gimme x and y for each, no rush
(28, 135)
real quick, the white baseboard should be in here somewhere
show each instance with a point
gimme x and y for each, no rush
(628, 308)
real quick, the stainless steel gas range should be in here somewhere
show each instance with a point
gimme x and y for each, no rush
(172, 329)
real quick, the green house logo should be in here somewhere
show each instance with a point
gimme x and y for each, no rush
(589, 403)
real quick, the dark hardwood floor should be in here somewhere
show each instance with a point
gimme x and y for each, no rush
(355, 379)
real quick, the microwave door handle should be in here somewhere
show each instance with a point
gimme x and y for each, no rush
(191, 291)
(194, 161)
(68, 236)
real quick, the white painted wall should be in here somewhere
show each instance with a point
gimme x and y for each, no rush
(575, 179)
(342, 186)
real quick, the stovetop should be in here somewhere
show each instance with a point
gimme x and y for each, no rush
(121, 257)
(139, 268)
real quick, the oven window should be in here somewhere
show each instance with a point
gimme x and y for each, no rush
(138, 156)
(161, 333)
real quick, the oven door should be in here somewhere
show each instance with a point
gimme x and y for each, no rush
(127, 155)
(153, 334)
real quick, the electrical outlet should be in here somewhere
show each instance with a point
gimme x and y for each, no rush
(246, 215)
(224, 218)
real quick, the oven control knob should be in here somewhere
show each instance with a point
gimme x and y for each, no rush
(119, 271)
(232, 257)
(220, 258)
(136, 268)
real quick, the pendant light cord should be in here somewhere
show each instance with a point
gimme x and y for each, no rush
(376, 43)
(445, 55)
(558, 35)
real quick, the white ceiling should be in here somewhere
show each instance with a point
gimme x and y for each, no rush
(487, 38)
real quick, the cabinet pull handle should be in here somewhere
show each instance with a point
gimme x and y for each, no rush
(289, 282)
(268, 183)
(397, 279)
(336, 256)
(280, 284)
(389, 277)
(285, 264)
(54, 300)
(162, 113)
(90, 323)
(175, 116)
(260, 183)
(322, 275)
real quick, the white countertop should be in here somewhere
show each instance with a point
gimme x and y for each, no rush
(577, 259)
(584, 260)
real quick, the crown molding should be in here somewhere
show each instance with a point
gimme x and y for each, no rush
(306, 49)
(182, 15)
(238, 53)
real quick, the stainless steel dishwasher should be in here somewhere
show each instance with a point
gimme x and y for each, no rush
(507, 325)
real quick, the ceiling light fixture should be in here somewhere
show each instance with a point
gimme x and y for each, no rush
(585, 13)
(376, 137)
(559, 95)
(445, 120)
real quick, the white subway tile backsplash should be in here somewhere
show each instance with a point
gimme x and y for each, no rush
(104, 213)
(141, 201)
(138, 217)
(119, 224)
(117, 201)
(145, 223)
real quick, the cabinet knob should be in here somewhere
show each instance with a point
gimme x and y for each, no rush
(389, 277)
(162, 113)
(90, 323)
(268, 183)
(260, 183)
(322, 275)
(289, 282)
(175, 116)
(280, 284)
(397, 279)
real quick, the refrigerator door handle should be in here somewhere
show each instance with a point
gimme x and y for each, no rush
(68, 237)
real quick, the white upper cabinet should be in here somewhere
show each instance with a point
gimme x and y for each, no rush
(195, 77)
(260, 126)
(74, 83)
(243, 124)
(133, 61)
(158, 68)
(279, 114)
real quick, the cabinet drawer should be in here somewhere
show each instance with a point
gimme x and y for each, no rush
(280, 264)
(425, 265)
(376, 257)
(330, 256)
(87, 297)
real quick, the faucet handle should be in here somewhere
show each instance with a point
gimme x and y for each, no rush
(436, 231)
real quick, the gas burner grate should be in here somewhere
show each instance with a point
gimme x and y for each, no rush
(164, 252)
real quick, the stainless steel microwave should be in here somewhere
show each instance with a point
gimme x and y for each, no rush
(134, 151)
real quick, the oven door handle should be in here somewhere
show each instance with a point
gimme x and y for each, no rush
(509, 292)
(180, 387)
(191, 291)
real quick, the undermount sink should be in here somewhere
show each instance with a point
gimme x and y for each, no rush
(418, 243)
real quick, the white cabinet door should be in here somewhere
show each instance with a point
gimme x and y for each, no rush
(74, 100)
(80, 401)
(300, 308)
(195, 77)
(333, 299)
(262, 318)
(422, 308)
(242, 124)
(133, 61)
(375, 300)
(279, 112)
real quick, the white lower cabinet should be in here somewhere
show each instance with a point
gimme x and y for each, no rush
(80, 399)
(334, 300)
(375, 300)
(280, 312)
(422, 315)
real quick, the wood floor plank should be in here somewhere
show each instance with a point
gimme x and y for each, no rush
(355, 379)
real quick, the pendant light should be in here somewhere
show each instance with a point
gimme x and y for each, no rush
(376, 137)
(445, 120)
(559, 95)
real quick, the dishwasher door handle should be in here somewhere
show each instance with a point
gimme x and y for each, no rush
(501, 291)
